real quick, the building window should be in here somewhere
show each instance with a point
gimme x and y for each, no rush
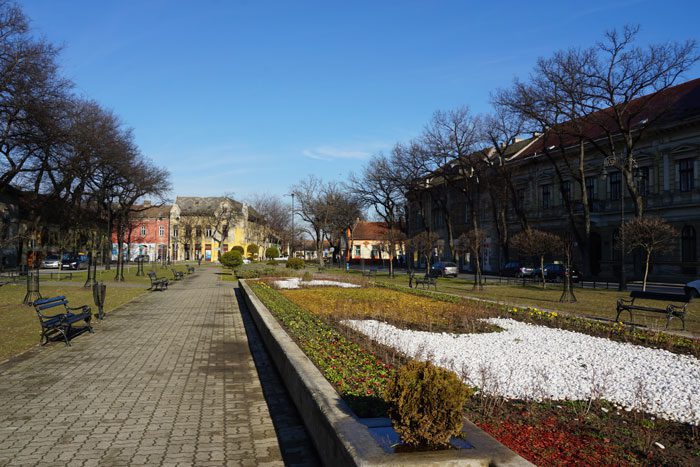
(686, 174)
(175, 232)
(566, 190)
(615, 186)
(688, 244)
(143, 230)
(207, 232)
(643, 181)
(224, 232)
(358, 250)
(161, 231)
(590, 189)
(198, 231)
(545, 196)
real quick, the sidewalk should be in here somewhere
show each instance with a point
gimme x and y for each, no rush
(168, 379)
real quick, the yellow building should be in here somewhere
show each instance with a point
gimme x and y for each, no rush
(206, 227)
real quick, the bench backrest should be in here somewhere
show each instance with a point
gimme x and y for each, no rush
(46, 303)
(662, 296)
(151, 274)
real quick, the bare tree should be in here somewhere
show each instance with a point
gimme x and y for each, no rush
(450, 140)
(313, 210)
(344, 211)
(533, 242)
(425, 243)
(472, 241)
(379, 188)
(276, 215)
(651, 234)
(628, 95)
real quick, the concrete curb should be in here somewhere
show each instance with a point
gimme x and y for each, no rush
(338, 436)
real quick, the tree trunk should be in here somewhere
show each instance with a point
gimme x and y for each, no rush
(646, 271)
(544, 283)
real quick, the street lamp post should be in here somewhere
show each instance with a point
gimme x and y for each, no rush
(610, 162)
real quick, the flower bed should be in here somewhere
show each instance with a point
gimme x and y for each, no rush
(357, 374)
(547, 433)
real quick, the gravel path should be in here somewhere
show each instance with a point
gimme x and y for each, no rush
(526, 361)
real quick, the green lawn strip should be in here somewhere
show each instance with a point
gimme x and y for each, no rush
(21, 329)
(358, 375)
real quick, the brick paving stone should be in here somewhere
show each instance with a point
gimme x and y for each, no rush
(169, 379)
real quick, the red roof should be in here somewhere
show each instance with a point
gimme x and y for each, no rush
(370, 230)
(674, 104)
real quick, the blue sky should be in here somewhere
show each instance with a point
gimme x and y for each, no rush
(250, 96)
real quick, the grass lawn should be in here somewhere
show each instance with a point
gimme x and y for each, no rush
(20, 325)
(599, 303)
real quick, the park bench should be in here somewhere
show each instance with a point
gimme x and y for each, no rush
(61, 275)
(671, 310)
(157, 283)
(371, 272)
(177, 275)
(190, 269)
(60, 323)
(426, 281)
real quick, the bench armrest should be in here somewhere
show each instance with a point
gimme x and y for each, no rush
(677, 308)
(625, 301)
(83, 308)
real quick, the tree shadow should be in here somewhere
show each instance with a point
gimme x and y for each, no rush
(294, 441)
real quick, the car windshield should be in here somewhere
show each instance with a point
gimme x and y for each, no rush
(51, 257)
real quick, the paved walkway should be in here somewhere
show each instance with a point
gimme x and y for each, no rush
(167, 380)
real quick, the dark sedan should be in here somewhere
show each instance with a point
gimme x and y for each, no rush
(75, 262)
(556, 272)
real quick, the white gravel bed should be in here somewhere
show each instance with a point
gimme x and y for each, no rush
(532, 362)
(296, 283)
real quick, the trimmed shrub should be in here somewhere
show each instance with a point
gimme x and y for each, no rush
(307, 276)
(272, 252)
(248, 274)
(253, 250)
(231, 259)
(271, 262)
(426, 404)
(295, 263)
(239, 249)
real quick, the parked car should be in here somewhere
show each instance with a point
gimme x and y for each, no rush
(516, 269)
(556, 272)
(51, 262)
(692, 289)
(75, 262)
(444, 269)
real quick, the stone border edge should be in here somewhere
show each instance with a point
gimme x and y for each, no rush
(338, 436)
